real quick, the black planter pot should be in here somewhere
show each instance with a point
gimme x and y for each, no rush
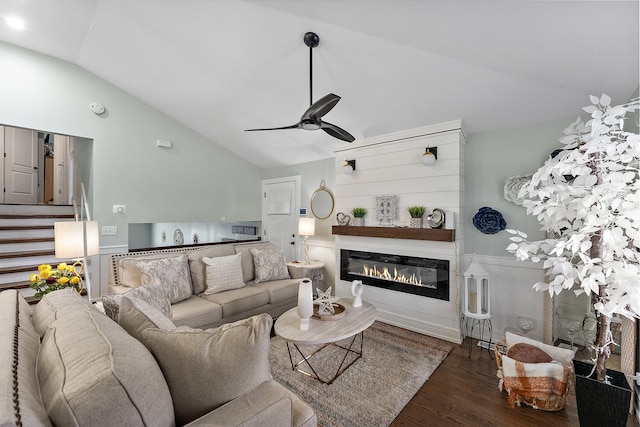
(601, 404)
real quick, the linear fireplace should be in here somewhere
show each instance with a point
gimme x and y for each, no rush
(419, 276)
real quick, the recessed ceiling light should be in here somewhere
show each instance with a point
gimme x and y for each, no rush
(15, 22)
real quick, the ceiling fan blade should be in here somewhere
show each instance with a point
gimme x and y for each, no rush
(336, 132)
(296, 126)
(321, 107)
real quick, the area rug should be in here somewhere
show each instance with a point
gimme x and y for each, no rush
(372, 392)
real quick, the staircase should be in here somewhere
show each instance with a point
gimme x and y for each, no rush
(26, 241)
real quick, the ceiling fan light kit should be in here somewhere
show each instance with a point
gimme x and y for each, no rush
(311, 119)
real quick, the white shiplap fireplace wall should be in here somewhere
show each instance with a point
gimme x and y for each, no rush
(391, 165)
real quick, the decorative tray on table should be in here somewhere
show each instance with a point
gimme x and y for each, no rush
(338, 313)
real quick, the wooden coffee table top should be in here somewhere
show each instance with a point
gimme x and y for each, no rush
(354, 321)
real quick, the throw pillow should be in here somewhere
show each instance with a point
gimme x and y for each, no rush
(269, 264)
(208, 368)
(153, 295)
(223, 273)
(136, 315)
(527, 353)
(170, 273)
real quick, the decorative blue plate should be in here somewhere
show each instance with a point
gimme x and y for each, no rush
(489, 221)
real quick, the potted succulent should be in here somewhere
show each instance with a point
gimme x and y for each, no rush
(416, 213)
(586, 199)
(358, 216)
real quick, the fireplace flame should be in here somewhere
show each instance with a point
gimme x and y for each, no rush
(387, 275)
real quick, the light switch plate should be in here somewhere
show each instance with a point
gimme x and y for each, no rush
(119, 209)
(109, 230)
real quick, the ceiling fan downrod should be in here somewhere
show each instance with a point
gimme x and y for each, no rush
(312, 40)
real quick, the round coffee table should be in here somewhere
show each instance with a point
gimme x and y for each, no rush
(327, 333)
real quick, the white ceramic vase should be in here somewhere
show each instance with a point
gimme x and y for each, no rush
(305, 303)
(356, 290)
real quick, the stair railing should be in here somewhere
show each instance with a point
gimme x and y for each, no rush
(80, 208)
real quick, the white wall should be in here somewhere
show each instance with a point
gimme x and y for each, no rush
(392, 165)
(492, 157)
(188, 183)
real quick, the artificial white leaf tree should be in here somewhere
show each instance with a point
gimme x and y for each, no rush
(586, 198)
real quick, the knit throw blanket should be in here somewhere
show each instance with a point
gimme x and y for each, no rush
(534, 380)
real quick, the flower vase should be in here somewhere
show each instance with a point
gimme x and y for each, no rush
(357, 222)
(415, 222)
(305, 303)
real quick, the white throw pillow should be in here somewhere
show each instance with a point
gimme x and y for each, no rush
(223, 273)
(172, 274)
(269, 264)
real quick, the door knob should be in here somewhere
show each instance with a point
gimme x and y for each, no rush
(293, 243)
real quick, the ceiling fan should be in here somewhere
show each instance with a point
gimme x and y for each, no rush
(311, 119)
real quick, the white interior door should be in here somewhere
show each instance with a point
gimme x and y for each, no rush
(62, 162)
(280, 212)
(20, 166)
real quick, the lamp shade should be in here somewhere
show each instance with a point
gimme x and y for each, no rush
(306, 226)
(76, 239)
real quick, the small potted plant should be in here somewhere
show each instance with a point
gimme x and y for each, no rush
(416, 213)
(358, 216)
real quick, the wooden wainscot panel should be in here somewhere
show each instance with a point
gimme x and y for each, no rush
(435, 234)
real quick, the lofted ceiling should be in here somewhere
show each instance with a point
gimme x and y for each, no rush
(222, 66)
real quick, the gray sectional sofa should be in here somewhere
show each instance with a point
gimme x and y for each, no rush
(65, 363)
(266, 284)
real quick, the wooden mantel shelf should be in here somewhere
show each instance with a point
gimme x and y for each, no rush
(435, 234)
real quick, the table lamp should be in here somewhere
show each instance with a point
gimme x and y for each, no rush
(306, 228)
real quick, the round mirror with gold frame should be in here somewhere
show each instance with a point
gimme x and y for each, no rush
(322, 202)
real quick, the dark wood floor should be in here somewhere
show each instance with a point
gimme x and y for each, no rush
(464, 392)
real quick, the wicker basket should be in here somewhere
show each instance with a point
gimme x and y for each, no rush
(547, 401)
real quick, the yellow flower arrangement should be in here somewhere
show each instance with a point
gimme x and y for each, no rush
(49, 279)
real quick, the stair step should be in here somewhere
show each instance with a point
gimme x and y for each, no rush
(15, 285)
(19, 269)
(26, 240)
(37, 216)
(26, 254)
(25, 227)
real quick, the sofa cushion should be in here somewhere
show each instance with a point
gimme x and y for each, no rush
(19, 344)
(269, 264)
(197, 267)
(279, 290)
(207, 368)
(239, 300)
(92, 372)
(170, 273)
(151, 294)
(196, 312)
(136, 315)
(223, 273)
(55, 305)
(248, 268)
(128, 271)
